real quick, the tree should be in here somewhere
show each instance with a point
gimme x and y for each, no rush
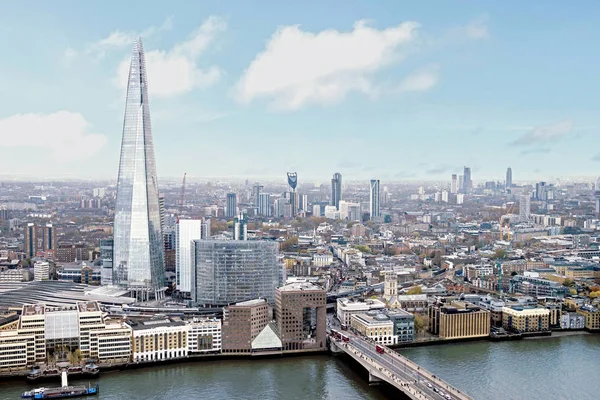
(514, 273)
(573, 291)
(421, 323)
(415, 290)
(594, 295)
(289, 244)
(500, 253)
(568, 282)
(363, 248)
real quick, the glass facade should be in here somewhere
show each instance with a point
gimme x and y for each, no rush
(187, 230)
(138, 257)
(231, 271)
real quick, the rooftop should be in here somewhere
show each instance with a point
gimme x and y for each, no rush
(300, 286)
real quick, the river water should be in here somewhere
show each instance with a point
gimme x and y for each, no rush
(544, 369)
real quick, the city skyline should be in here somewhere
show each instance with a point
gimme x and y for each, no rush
(465, 56)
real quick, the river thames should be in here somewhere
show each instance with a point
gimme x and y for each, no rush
(548, 368)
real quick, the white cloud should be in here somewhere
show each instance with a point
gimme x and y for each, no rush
(175, 71)
(421, 80)
(476, 29)
(298, 67)
(119, 39)
(64, 134)
(546, 134)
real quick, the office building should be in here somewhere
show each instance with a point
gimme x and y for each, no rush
(157, 340)
(264, 205)
(229, 271)
(374, 199)
(336, 190)
(187, 230)
(256, 192)
(294, 200)
(467, 181)
(458, 320)
(509, 181)
(524, 207)
(454, 184)
(404, 325)
(525, 319)
(346, 308)
(41, 271)
(204, 336)
(138, 248)
(240, 227)
(300, 312)
(106, 254)
(231, 205)
(49, 239)
(30, 242)
(242, 323)
(375, 326)
(71, 252)
(303, 202)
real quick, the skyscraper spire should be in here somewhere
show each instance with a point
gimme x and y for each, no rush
(138, 251)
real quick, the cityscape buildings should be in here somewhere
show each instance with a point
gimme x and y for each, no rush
(524, 206)
(467, 182)
(509, 178)
(138, 255)
(231, 205)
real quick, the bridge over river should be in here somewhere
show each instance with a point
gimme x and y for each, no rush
(389, 366)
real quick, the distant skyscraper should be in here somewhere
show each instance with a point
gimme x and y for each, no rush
(454, 185)
(240, 227)
(468, 183)
(186, 231)
(292, 179)
(231, 205)
(303, 202)
(336, 190)
(374, 199)
(138, 249)
(524, 206)
(256, 189)
(30, 242)
(461, 183)
(264, 204)
(294, 200)
(508, 178)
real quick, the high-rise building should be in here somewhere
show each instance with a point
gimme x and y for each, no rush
(106, 254)
(303, 202)
(294, 200)
(461, 183)
(256, 189)
(292, 179)
(508, 178)
(468, 183)
(374, 199)
(138, 248)
(229, 271)
(49, 241)
(206, 231)
(240, 227)
(336, 190)
(161, 210)
(30, 242)
(300, 312)
(264, 204)
(231, 205)
(454, 185)
(242, 323)
(524, 206)
(187, 230)
(316, 210)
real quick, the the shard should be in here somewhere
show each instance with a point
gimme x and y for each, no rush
(138, 251)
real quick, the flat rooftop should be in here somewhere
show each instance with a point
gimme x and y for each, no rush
(301, 286)
(250, 303)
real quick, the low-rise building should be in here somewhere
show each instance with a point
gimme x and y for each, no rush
(346, 308)
(409, 302)
(157, 340)
(376, 326)
(242, 323)
(458, 320)
(533, 286)
(204, 336)
(525, 319)
(404, 325)
(572, 321)
(592, 317)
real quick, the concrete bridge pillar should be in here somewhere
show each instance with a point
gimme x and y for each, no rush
(373, 379)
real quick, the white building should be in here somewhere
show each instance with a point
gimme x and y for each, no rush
(157, 340)
(524, 206)
(186, 231)
(375, 326)
(41, 271)
(322, 259)
(460, 198)
(331, 212)
(204, 336)
(316, 210)
(349, 210)
(346, 308)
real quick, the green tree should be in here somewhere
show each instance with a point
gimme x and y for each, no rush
(568, 282)
(500, 253)
(289, 244)
(415, 290)
(421, 323)
(363, 248)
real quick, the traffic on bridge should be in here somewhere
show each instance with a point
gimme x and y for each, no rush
(384, 364)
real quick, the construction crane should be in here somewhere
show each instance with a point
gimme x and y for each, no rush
(505, 221)
(182, 195)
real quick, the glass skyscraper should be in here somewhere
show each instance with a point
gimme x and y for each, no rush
(336, 190)
(138, 256)
(374, 199)
(230, 271)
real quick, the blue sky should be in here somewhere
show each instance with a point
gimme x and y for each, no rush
(388, 89)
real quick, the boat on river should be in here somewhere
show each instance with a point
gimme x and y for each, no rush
(61, 392)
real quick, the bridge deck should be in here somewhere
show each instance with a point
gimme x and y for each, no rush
(405, 375)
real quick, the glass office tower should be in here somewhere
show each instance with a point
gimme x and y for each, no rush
(138, 256)
(231, 271)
